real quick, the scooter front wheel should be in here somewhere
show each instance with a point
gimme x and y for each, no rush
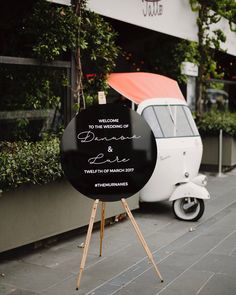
(188, 209)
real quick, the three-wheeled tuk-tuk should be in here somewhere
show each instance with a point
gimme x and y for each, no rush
(176, 176)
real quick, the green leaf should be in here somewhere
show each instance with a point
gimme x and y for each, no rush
(24, 162)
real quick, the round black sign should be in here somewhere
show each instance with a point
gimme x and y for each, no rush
(108, 152)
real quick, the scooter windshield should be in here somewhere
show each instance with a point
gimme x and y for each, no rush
(169, 121)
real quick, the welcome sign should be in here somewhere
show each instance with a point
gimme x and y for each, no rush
(108, 152)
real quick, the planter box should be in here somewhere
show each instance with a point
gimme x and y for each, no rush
(211, 151)
(32, 213)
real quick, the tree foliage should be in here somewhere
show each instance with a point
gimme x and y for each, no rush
(210, 12)
(53, 29)
(97, 56)
(82, 32)
(185, 50)
(219, 9)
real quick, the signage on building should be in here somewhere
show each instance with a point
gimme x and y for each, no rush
(108, 152)
(189, 69)
(152, 7)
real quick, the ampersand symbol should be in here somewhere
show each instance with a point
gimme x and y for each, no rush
(110, 149)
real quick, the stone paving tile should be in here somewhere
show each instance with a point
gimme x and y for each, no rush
(112, 266)
(202, 243)
(181, 260)
(71, 266)
(22, 292)
(107, 289)
(161, 240)
(189, 282)
(217, 188)
(52, 259)
(6, 289)
(31, 277)
(219, 201)
(176, 262)
(219, 284)
(179, 242)
(227, 247)
(230, 219)
(120, 280)
(233, 252)
(62, 260)
(218, 264)
(149, 283)
(219, 214)
(68, 286)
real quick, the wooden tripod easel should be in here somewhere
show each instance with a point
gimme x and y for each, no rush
(89, 233)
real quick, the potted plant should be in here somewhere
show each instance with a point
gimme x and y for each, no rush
(209, 125)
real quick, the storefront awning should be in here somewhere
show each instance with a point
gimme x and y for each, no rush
(140, 86)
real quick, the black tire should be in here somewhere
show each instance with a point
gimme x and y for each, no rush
(193, 213)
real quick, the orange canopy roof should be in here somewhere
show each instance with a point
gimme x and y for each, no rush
(140, 86)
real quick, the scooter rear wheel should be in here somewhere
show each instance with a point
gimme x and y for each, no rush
(188, 209)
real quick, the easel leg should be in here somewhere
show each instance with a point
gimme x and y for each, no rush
(102, 226)
(87, 241)
(140, 236)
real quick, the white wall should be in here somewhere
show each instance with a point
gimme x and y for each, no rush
(64, 2)
(173, 17)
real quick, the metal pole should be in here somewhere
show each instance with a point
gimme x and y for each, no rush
(220, 153)
(133, 106)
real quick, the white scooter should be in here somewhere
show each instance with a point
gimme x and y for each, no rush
(179, 145)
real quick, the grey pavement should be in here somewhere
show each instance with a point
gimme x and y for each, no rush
(193, 257)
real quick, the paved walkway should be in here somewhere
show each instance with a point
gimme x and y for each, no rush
(193, 258)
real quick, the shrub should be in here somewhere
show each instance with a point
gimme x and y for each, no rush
(29, 162)
(211, 122)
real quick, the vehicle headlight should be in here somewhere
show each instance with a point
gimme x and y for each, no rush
(204, 181)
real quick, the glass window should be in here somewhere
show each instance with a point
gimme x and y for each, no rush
(32, 100)
(191, 120)
(150, 117)
(170, 121)
(166, 120)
